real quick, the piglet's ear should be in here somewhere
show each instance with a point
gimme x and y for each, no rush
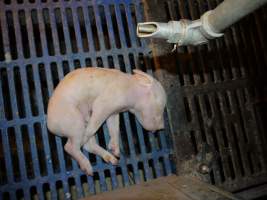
(143, 77)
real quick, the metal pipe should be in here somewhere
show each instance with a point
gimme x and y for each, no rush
(155, 30)
(209, 26)
(145, 29)
(231, 11)
(182, 32)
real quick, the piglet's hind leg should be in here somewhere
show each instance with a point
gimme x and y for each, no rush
(73, 148)
(74, 129)
(113, 123)
(92, 147)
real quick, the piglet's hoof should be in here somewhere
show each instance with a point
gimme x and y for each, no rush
(86, 168)
(110, 159)
(115, 149)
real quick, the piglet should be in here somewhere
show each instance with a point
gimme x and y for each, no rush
(88, 97)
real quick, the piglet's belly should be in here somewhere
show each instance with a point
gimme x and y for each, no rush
(86, 110)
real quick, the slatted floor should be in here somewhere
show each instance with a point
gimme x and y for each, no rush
(41, 41)
(221, 95)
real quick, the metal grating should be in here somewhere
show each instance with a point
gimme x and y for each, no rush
(41, 41)
(221, 87)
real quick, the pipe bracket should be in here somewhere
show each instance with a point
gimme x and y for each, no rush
(183, 32)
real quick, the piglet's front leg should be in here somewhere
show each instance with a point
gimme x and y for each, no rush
(100, 112)
(113, 123)
(92, 147)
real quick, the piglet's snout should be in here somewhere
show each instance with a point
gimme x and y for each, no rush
(161, 126)
(160, 123)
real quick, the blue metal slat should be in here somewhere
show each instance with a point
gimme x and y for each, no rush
(53, 190)
(140, 134)
(63, 177)
(41, 24)
(129, 134)
(20, 121)
(2, 110)
(48, 75)
(163, 142)
(99, 161)
(48, 159)
(90, 182)
(26, 193)
(29, 26)
(78, 186)
(77, 30)
(25, 92)
(82, 62)
(140, 18)
(152, 142)
(12, 92)
(65, 186)
(99, 27)
(113, 177)
(43, 124)
(70, 56)
(102, 165)
(102, 181)
(132, 151)
(60, 149)
(132, 30)
(66, 30)
(8, 161)
(135, 164)
(131, 145)
(20, 152)
(122, 166)
(88, 28)
(71, 64)
(39, 191)
(34, 154)
(60, 154)
(94, 63)
(112, 168)
(124, 171)
(157, 167)
(120, 26)
(137, 13)
(3, 22)
(154, 153)
(12, 194)
(105, 61)
(58, 140)
(127, 62)
(50, 191)
(18, 34)
(137, 178)
(37, 86)
(116, 62)
(59, 71)
(109, 26)
(53, 27)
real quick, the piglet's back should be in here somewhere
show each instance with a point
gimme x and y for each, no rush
(84, 84)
